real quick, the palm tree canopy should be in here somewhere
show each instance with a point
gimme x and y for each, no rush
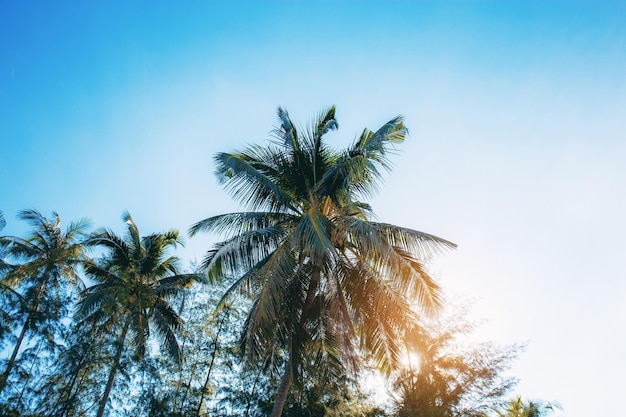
(133, 283)
(48, 256)
(35, 280)
(321, 273)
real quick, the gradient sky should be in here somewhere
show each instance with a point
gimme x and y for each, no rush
(517, 151)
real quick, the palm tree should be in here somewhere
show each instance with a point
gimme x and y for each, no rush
(325, 279)
(134, 283)
(49, 258)
(520, 408)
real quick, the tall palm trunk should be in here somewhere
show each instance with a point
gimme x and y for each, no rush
(283, 389)
(287, 379)
(113, 371)
(7, 371)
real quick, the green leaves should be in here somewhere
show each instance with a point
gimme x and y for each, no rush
(37, 275)
(134, 282)
(325, 280)
(247, 176)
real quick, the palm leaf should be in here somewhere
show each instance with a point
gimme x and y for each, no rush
(241, 252)
(314, 231)
(250, 185)
(166, 335)
(234, 224)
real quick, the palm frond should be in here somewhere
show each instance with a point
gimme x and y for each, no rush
(19, 248)
(166, 335)
(120, 250)
(353, 174)
(154, 247)
(162, 268)
(139, 329)
(423, 244)
(277, 273)
(374, 143)
(242, 285)
(414, 280)
(34, 218)
(173, 285)
(372, 235)
(77, 229)
(248, 184)
(314, 231)
(132, 234)
(288, 132)
(325, 123)
(381, 313)
(241, 252)
(233, 224)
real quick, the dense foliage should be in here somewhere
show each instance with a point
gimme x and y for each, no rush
(304, 297)
(327, 282)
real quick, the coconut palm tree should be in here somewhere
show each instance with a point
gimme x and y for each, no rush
(44, 263)
(134, 282)
(520, 408)
(326, 280)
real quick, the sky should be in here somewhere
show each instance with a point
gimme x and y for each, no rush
(517, 147)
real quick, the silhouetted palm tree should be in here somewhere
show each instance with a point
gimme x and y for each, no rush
(325, 279)
(43, 263)
(134, 282)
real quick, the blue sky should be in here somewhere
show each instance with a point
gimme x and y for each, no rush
(517, 114)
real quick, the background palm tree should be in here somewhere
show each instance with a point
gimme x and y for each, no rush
(326, 280)
(134, 282)
(520, 408)
(44, 263)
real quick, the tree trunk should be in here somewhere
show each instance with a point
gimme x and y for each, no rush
(283, 389)
(114, 368)
(5, 375)
(287, 379)
(213, 355)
